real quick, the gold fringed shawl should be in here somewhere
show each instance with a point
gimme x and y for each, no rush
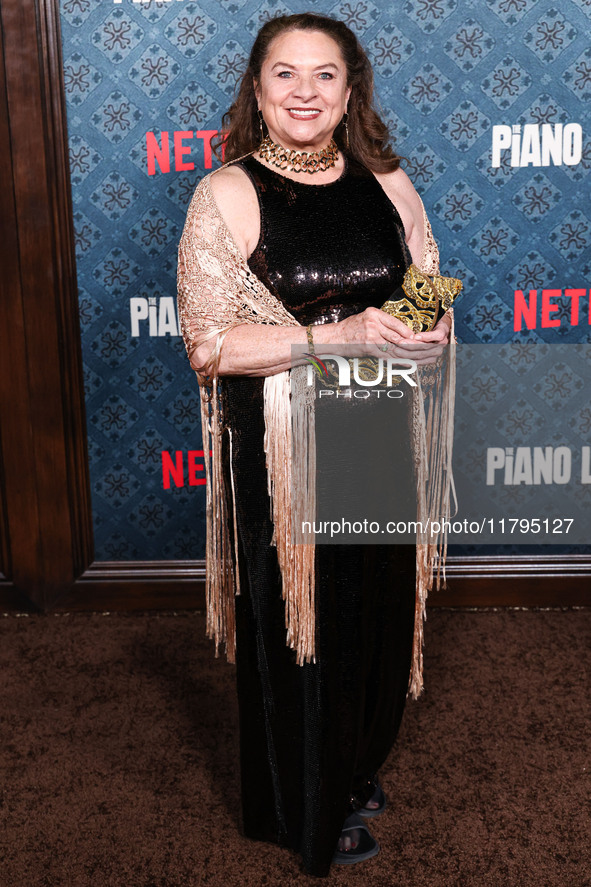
(433, 424)
(216, 292)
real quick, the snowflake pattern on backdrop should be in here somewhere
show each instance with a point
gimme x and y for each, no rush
(446, 73)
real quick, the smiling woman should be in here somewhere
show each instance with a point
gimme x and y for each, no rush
(298, 240)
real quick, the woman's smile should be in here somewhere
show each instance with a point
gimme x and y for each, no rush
(304, 113)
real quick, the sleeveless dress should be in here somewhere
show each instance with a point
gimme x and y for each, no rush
(311, 736)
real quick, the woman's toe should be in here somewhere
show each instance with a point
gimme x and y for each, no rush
(349, 841)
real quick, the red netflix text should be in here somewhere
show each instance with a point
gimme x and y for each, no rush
(181, 467)
(532, 311)
(161, 149)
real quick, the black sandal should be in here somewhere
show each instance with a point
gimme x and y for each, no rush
(378, 796)
(367, 845)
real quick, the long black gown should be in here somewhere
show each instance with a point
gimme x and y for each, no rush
(312, 735)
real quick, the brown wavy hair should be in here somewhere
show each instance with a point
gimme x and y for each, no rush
(369, 139)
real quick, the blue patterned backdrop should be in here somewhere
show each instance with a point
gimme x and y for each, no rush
(452, 79)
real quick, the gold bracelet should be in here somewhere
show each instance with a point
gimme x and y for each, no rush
(310, 339)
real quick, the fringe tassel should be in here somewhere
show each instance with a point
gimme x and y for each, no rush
(222, 581)
(433, 422)
(292, 479)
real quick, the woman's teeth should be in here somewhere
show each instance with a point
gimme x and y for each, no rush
(298, 113)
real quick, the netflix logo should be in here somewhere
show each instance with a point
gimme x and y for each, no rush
(183, 469)
(167, 153)
(532, 311)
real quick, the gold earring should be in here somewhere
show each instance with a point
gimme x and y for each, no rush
(345, 122)
(260, 113)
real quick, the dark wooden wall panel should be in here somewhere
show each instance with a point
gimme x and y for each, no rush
(46, 551)
(42, 417)
(20, 530)
(545, 580)
(496, 581)
(66, 300)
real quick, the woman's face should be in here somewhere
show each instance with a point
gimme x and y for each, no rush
(303, 90)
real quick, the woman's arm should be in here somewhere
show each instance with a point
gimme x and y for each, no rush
(263, 350)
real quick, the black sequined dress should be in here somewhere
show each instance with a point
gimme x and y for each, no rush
(312, 735)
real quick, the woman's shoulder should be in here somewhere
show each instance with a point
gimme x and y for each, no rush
(236, 200)
(231, 179)
(402, 193)
(231, 187)
(400, 189)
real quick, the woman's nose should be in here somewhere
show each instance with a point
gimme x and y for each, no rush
(305, 88)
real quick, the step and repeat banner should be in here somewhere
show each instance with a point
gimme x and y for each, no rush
(488, 99)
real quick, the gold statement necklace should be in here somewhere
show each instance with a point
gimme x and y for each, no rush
(299, 161)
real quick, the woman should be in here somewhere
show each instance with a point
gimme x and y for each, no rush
(298, 240)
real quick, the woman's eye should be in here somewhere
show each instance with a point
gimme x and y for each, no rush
(325, 76)
(284, 74)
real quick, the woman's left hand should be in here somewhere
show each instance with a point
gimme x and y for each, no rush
(424, 348)
(440, 332)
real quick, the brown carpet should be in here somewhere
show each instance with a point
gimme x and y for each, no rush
(119, 758)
